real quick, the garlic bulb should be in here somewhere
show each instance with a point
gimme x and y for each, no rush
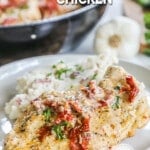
(121, 35)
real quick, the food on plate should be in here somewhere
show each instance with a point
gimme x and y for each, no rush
(96, 106)
(60, 76)
(121, 35)
(24, 11)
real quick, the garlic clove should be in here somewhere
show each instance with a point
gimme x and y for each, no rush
(121, 35)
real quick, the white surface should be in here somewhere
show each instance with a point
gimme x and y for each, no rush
(112, 11)
(123, 147)
(8, 82)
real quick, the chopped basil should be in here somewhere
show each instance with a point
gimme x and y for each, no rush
(117, 88)
(116, 105)
(59, 130)
(58, 73)
(47, 114)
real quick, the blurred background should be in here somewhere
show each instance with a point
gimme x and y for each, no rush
(75, 32)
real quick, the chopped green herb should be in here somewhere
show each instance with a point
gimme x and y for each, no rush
(59, 130)
(117, 88)
(71, 87)
(147, 20)
(74, 75)
(58, 73)
(47, 114)
(116, 105)
(49, 74)
(94, 76)
(54, 66)
(61, 62)
(79, 68)
(64, 123)
(24, 6)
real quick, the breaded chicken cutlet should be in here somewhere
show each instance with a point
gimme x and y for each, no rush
(94, 117)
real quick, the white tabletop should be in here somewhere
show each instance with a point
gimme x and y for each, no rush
(86, 47)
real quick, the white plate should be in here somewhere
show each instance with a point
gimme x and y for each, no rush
(9, 73)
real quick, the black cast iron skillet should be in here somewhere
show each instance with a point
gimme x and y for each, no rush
(65, 30)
